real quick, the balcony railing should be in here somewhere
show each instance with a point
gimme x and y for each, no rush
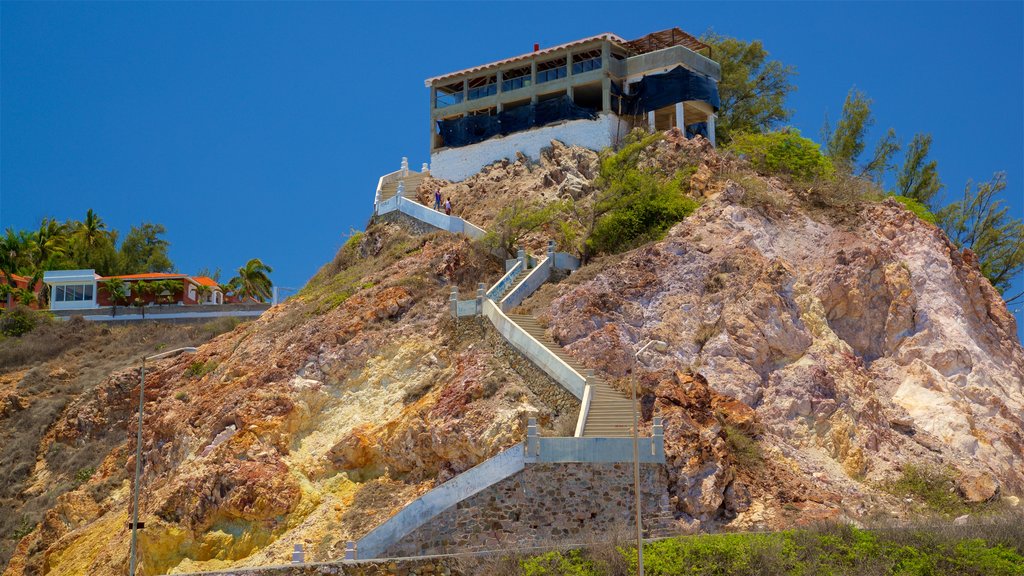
(516, 83)
(586, 65)
(550, 74)
(451, 99)
(482, 92)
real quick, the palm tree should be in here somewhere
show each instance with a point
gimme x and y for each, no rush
(15, 252)
(25, 297)
(49, 242)
(89, 234)
(227, 289)
(202, 292)
(116, 290)
(252, 280)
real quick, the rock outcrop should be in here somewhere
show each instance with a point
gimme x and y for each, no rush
(811, 354)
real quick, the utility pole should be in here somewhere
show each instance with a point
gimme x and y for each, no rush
(132, 564)
(658, 344)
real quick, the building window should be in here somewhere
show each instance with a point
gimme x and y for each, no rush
(73, 293)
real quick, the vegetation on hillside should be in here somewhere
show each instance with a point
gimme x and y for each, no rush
(783, 152)
(990, 549)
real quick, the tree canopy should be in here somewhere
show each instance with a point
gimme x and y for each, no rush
(980, 221)
(753, 88)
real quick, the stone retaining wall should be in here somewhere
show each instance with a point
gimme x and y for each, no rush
(544, 504)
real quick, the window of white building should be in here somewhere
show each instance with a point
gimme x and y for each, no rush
(73, 293)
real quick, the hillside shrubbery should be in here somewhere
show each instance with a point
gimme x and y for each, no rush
(636, 205)
(837, 550)
(784, 153)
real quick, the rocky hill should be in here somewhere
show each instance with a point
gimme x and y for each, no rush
(817, 348)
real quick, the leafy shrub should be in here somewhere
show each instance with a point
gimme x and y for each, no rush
(20, 319)
(557, 563)
(200, 368)
(83, 475)
(919, 209)
(933, 486)
(784, 152)
(745, 449)
(636, 205)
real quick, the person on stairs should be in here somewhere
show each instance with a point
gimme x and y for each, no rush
(448, 206)
(437, 199)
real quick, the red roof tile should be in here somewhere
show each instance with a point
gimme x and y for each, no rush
(147, 276)
(205, 281)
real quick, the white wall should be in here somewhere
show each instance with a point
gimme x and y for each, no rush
(457, 164)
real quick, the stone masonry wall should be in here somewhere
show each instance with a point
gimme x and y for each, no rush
(543, 505)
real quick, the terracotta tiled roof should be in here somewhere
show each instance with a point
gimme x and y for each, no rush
(147, 276)
(606, 36)
(205, 281)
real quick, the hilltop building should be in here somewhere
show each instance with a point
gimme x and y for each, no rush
(590, 92)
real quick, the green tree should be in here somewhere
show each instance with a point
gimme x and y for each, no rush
(15, 253)
(753, 88)
(980, 222)
(90, 232)
(202, 292)
(117, 291)
(143, 250)
(24, 297)
(93, 246)
(252, 281)
(881, 162)
(517, 219)
(845, 142)
(49, 245)
(918, 178)
(227, 289)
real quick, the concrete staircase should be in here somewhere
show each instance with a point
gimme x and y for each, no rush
(511, 285)
(411, 184)
(611, 413)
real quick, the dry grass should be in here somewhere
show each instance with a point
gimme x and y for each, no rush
(68, 361)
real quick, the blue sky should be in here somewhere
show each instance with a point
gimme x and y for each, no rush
(260, 129)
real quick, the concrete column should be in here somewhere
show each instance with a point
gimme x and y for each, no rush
(650, 120)
(522, 259)
(680, 117)
(454, 301)
(606, 94)
(498, 76)
(481, 291)
(551, 251)
(465, 90)
(533, 81)
(425, 168)
(405, 166)
(401, 189)
(711, 128)
(657, 438)
(298, 556)
(351, 551)
(568, 63)
(532, 438)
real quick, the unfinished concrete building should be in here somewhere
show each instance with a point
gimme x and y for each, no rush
(589, 92)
